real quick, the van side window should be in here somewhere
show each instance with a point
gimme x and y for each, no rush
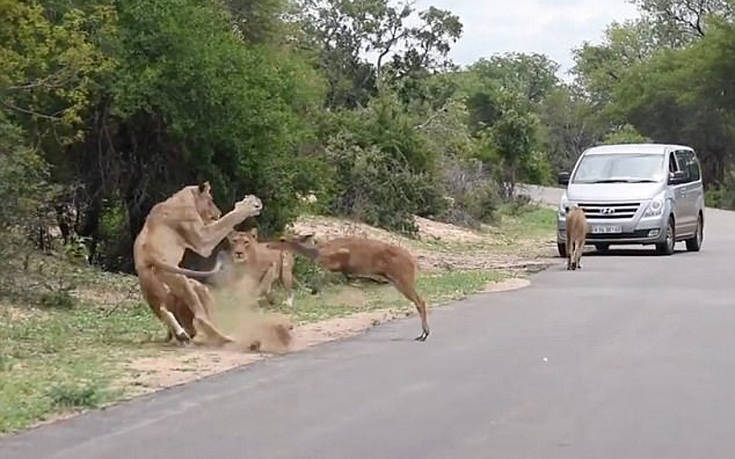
(672, 163)
(682, 160)
(693, 165)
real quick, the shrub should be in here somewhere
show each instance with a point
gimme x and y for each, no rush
(381, 190)
(68, 395)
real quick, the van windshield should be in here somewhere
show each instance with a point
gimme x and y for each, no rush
(620, 168)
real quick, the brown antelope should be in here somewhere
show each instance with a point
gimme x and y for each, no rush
(364, 257)
(576, 233)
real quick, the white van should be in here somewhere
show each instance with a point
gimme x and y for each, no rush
(646, 194)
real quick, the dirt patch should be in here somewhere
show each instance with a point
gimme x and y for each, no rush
(430, 229)
(16, 314)
(460, 248)
(178, 365)
(514, 283)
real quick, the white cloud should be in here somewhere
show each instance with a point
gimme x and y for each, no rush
(551, 27)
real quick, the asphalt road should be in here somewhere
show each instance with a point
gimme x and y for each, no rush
(628, 358)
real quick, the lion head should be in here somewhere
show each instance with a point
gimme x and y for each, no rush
(204, 202)
(241, 244)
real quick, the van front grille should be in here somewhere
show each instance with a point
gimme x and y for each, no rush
(609, 210)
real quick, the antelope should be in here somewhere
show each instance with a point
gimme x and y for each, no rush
(364, 257)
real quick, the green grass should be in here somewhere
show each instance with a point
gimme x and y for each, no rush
(533, 222)
(57, 360)
(338, 300)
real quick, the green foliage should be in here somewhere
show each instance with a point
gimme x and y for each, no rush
(722, 195)
(23, 179)
(625, 134)
(61, 299)
(513, 140)
(381, 190)
(384, 166)
(569, 125)
(71, 395)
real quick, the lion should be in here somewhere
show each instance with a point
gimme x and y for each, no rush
(262, 263)
(577, 229)
(187, 220)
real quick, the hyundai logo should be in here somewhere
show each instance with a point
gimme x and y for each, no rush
(607, 210)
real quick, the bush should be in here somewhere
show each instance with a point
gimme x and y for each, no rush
(722, 195)
(380, 190)
(474, 194)
(58, 300)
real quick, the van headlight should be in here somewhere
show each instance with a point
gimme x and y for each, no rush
(563, 206)
(656, 206)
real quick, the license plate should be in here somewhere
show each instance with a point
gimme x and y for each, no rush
(607, 229)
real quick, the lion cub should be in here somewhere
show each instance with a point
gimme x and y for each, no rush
(577, 229)
(264, 264)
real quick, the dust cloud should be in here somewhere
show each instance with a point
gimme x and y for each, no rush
(237, 314)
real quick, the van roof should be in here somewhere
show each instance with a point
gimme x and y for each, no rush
(632, 148)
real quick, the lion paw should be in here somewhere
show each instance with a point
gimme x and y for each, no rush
(250, 204)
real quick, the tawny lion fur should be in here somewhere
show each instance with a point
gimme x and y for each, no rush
(187, 220)
(262, 264)
(577, 229)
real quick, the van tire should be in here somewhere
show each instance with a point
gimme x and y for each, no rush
(667, 246)
(695, 243)
(562, 248)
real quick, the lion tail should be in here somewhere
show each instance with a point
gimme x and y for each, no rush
(190, 272)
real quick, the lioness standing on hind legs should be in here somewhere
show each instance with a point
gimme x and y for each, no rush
(187, 220)
(577, 229)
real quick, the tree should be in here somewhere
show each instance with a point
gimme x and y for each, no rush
(685, 96)
(625, 134)
(512, 139)
(569, 124)
(530, 75)
(357, 39)
(686, 19)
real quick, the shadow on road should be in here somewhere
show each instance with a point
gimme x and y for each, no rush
(627, 252)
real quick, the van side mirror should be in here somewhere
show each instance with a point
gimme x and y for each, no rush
(677, 177)
(563, 178)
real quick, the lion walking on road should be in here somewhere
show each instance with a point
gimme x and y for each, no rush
(577, 229)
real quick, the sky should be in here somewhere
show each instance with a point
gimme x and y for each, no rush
(551, 27)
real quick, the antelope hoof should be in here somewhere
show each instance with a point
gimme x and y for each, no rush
(183, 337)
(422, 337)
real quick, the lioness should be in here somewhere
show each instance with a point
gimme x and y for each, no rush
(262, 263)
(576, 234)
(187, 220)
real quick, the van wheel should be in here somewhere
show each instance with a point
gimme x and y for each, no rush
(667, 246)
(695, 243)
(602, 247)
(562, 248)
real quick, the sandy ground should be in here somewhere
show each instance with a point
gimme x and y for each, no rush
(181, 365)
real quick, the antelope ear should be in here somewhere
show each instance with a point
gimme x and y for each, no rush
(254, 232)
(204, 187)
